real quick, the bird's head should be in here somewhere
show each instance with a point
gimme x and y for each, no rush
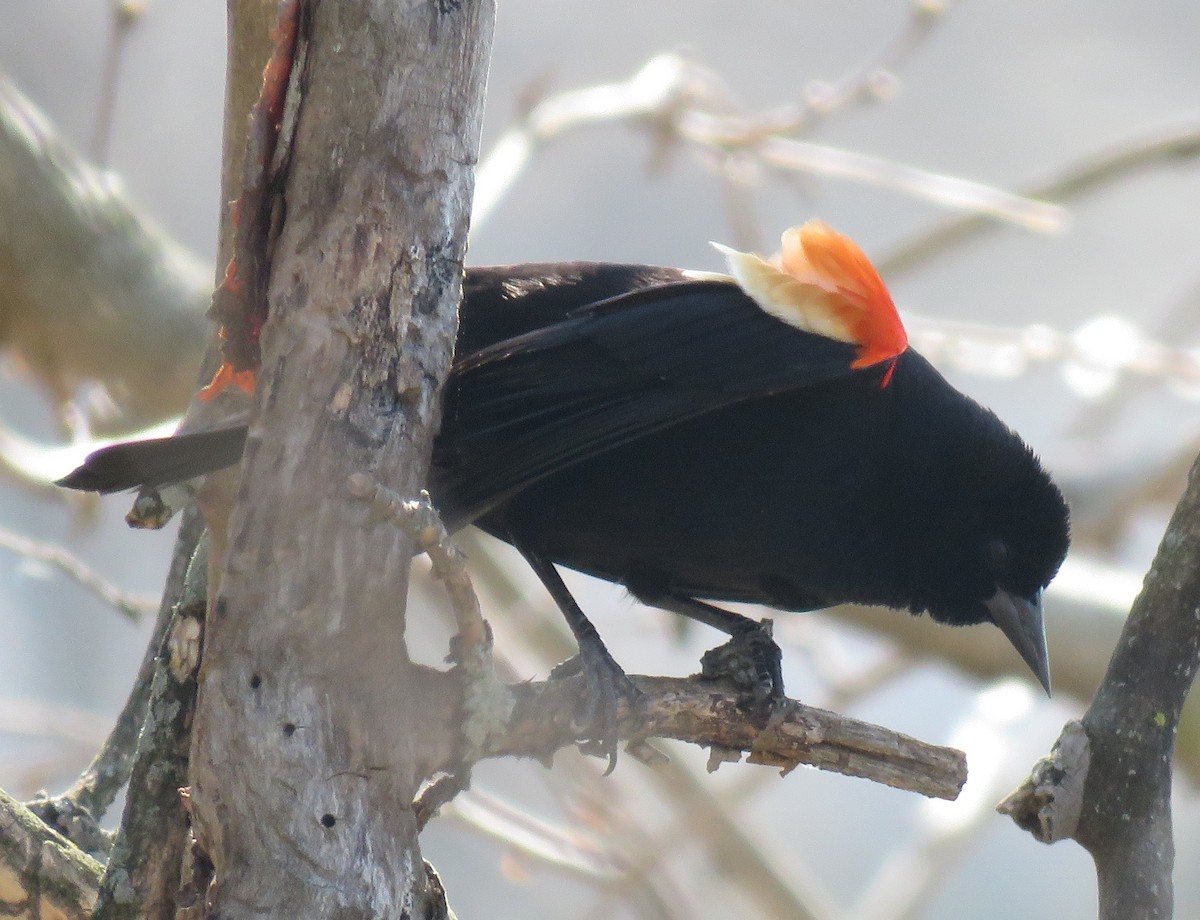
(1010, 544)
(995, 527)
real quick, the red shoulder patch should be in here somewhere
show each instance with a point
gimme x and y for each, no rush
(822, 282)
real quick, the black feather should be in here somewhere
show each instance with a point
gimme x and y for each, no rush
(157, 461)
(669, 435)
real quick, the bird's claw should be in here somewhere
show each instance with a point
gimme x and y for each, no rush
(750, 659)
(605, 688)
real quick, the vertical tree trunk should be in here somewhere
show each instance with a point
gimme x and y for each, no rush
(313, 728)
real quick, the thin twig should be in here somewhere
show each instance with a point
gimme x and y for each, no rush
(676, 98)
(1178, 143)
(132, 607)
(948, 191)
(77, 812)
(125, 15)
(863, 83)
(421, 519)
(537, 839)
(1108, 351)
(794, 892)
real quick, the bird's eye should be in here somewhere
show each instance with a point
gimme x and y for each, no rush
(997, 554)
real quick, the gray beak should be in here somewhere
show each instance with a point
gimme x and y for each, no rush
(1021, 620)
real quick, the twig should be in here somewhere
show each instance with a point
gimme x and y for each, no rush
(125, 15)
(1178, 324)
(911, 876)
(533, 837)
(132, 607)
(793, 892)
(1123, 763)
(863, 83)
(61, 722)
(77, 812)
(706, 713)
(421, 519)
(486, 702)
(1175, 144)
(1095, 359)
(680, 100)
(937, 188)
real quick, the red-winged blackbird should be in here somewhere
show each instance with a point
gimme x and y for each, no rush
(767, 437)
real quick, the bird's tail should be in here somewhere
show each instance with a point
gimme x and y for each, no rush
(158, 461)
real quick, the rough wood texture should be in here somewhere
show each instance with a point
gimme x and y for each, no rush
(41, 873)
(1124, 820)
(707, 713)
(312, 728)
(142, 876)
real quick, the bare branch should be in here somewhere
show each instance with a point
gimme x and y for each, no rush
(71, 247)
(421, 519)
(680, 101)
(142, 875)
(867, 81)
(710, 714)
(1124, 770)
(486, 703)
(125, 15)
(41, 874)
(1176, 144)
(133, 608)
(785, 892)
(936, 188)
(77, 812)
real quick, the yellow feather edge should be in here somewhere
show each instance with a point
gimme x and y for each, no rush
(798, 303)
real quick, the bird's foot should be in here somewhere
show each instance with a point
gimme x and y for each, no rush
(605, 689)
(750, 659)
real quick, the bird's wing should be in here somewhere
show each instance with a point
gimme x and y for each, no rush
(504, 301)
(607, 374)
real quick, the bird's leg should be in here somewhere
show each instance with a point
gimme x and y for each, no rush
(606, 684)
(750, 658)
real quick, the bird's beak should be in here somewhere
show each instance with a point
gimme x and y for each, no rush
(1021, 620)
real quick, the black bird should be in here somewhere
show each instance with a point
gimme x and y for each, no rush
(767, 437)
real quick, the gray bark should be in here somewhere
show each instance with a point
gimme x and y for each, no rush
(313, 729)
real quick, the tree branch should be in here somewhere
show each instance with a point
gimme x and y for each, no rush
(1109, 785)
(41, 873)
(142, 876)
(710, 714)
(71, 247)
(533, 719)
(131, 607)
(77, 812)
(1173, 145)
